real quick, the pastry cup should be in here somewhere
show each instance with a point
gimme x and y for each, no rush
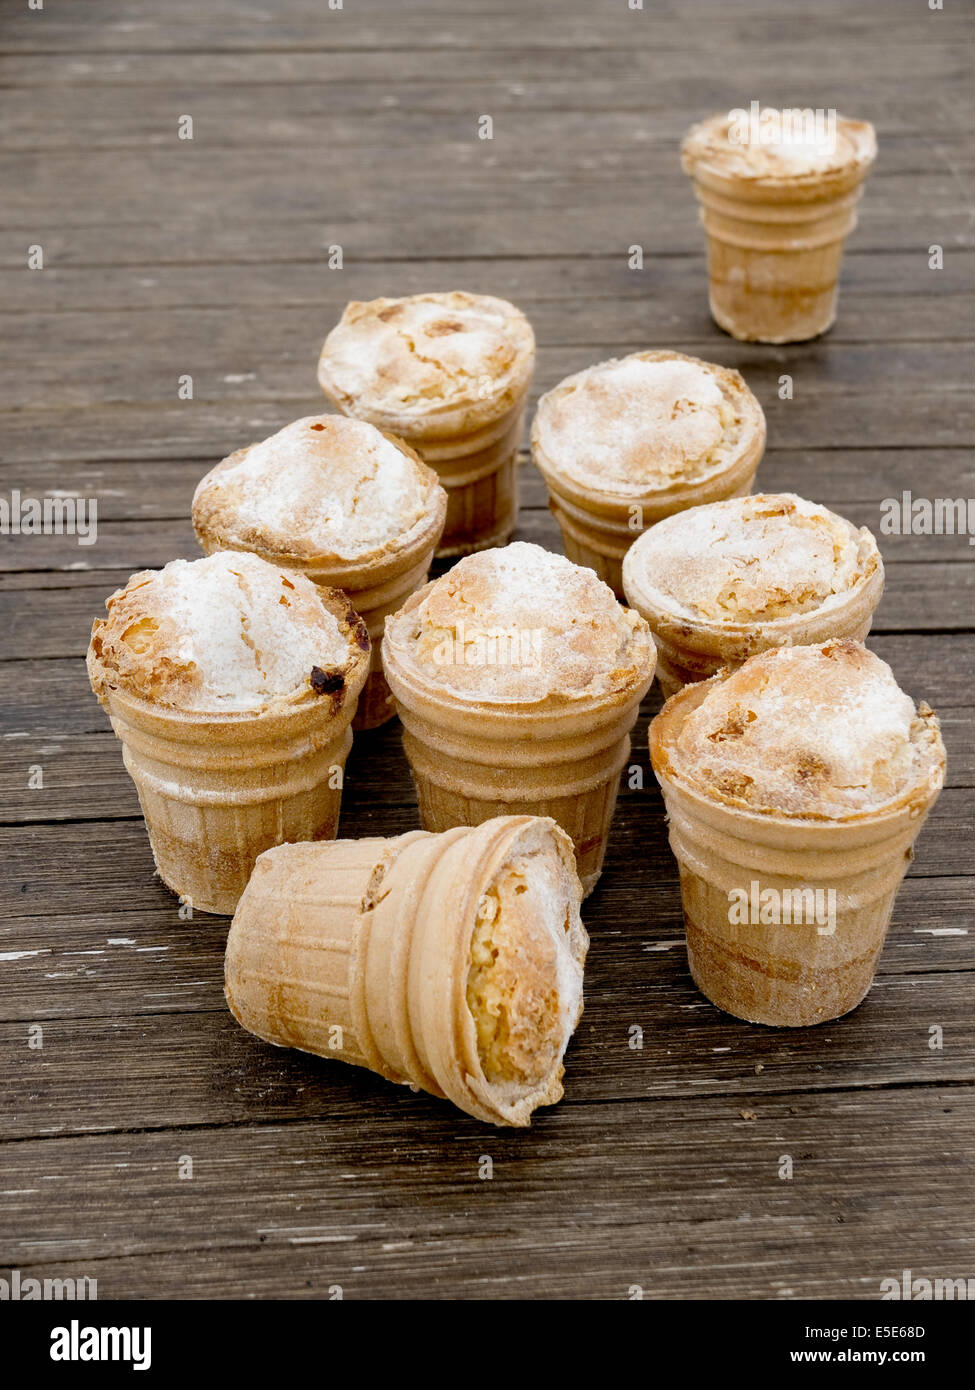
(473, 759)
(479, 473)
(375, 584)
(775, 244)
(786, 975)
(599, 523)
(691, 649)
(217, 789)
(471, 437)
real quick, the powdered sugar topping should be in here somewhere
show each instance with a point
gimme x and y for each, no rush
(323, 486)
(637, 424)
(228, 632)
(519, 624)
(773, 144)
(805, 731)
(748, 559)
(424, 351)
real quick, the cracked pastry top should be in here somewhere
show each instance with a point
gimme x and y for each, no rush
(524, 981)
(635, 426)
(407, 362)
(521, 625)
(819, 731)
(749, 561)
(786, 154)
(226, 633)
(325, 489)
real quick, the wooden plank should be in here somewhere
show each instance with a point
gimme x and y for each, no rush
(912, 420)
(122, 960)
(149, 1071)
(586, 81)
(82, 776)
(694, 1206)
(123, 358)
(131, 185)
(50, 699)
(402, 116)
(931, 565)
(581, 78)
(621, 304)
(853, 482)
(195, 233)
(920, 594)
(48, 866)
(909, 35)
(824, 414)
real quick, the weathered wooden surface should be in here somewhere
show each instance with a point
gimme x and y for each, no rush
(312, 127)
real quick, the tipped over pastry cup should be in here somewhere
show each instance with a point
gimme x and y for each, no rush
(518, 678)
(795, 788)
(231, 684)
(627, 442)
(777, 214)
(719, 583)
(344, 504)
(450, 963)
(448, 373)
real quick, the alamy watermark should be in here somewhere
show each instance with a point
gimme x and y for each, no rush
(775, 907)
(794, 125)
(908, 515)
(16, 1288)
(77, 1343)
(920, 1289)
(49, 516)
(498, 646)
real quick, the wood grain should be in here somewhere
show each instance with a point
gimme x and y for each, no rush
(680, 1196)
(661, 1167)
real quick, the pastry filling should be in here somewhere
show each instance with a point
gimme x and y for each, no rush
(524, 989)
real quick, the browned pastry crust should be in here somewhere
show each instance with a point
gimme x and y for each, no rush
(429, 365)
(522, 625)
(324, 492)
(820, 732)
(711, 146)
(226, 633)
(633, 427)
